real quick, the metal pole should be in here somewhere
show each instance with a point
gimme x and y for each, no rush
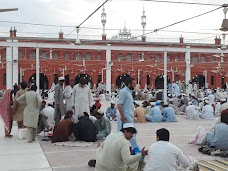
(38, 69)
(165, 77)
(188, 65)
(15, 64)
(138, 77)
(21, 74)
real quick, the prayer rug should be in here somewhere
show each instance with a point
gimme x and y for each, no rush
(213, 165)
(74, 144)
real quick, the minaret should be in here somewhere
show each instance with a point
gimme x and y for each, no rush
(103, 21)
(143, 23)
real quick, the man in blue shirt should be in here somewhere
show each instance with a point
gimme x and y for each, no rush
(111, 111)
(168, 113)
(125, 107)
(155, 114)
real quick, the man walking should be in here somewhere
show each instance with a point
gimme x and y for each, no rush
(59, 106)
(81, 98)
(125, 107)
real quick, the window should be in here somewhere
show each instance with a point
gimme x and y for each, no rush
(203, 59)
(88, 56)
(99, 79)
(195, 59)
(158, 58)
(20, 54)
(176, 78)
(4, 53)
(67, 55)
(43, 55)
(78, 56)
(4, 79)
(32, 55)
(129, 57)
(99, 56)
(212, 59)
(120, 57)
(176, 58)
(212, 80)
(148, 57)
(148, 79)
(56, 55)
(168, 58)
(56, 77)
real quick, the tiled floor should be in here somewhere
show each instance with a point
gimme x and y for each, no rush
(18, 155)
(60, 158)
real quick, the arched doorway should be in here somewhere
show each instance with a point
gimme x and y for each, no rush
(200, 80)
(43, 81)
(87, 78)
(159, 81)
(121, 79)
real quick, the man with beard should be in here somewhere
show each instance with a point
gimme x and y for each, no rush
(68, 96)
(125, 107)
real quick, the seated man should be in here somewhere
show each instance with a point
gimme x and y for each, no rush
(164, 156)
(102, 124)
(192, 112)
(117, 144)
(111, 111)
(146, 106)
(49, 112)
(219, 135)
(155, 114)
(139, 113)
(207, 111)
(168, 113)
(63, 129)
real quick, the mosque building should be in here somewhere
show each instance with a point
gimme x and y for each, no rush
(138, 58)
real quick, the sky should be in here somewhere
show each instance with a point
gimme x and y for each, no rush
(73, 12)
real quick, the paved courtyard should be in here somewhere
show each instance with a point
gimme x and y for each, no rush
(44, 156)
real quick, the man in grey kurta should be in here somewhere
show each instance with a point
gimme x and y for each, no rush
(102, 124)
(59, 106)
(32, 100)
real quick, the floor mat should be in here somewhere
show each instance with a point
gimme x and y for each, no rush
(74, 144)
(213, 165)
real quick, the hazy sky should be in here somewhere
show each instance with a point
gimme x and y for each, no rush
(73, 12)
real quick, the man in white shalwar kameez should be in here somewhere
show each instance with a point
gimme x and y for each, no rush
(81, 98)
(68, 96)
(192, 112)
(114, 153)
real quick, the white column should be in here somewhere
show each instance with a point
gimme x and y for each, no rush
(172, 75)
(138, 77)
(188, 65)
(15, 64)
(9, 67)
(38, 69)
(108, 70)
(51, 54)
(165, 77)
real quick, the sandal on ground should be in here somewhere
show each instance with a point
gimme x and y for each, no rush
(8, 136)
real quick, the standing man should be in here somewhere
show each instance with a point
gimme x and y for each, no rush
(81, 98)
(68, 96)
(189, 88)
(59, 106)
(32, 110)
(125, 107)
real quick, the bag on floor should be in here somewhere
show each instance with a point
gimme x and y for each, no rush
(200, 138)
(85, 130)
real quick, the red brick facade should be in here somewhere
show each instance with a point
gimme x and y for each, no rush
(129, 64)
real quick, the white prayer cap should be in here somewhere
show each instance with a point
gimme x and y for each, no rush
(61, 79)
(206, 101)
(193, 95)
(223, 100)
(166, 104)
(113, 102)
(170, 100)
(128, 125)
(189, 103)
(100, 111)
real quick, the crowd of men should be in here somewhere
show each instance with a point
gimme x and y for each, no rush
(75, 113)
